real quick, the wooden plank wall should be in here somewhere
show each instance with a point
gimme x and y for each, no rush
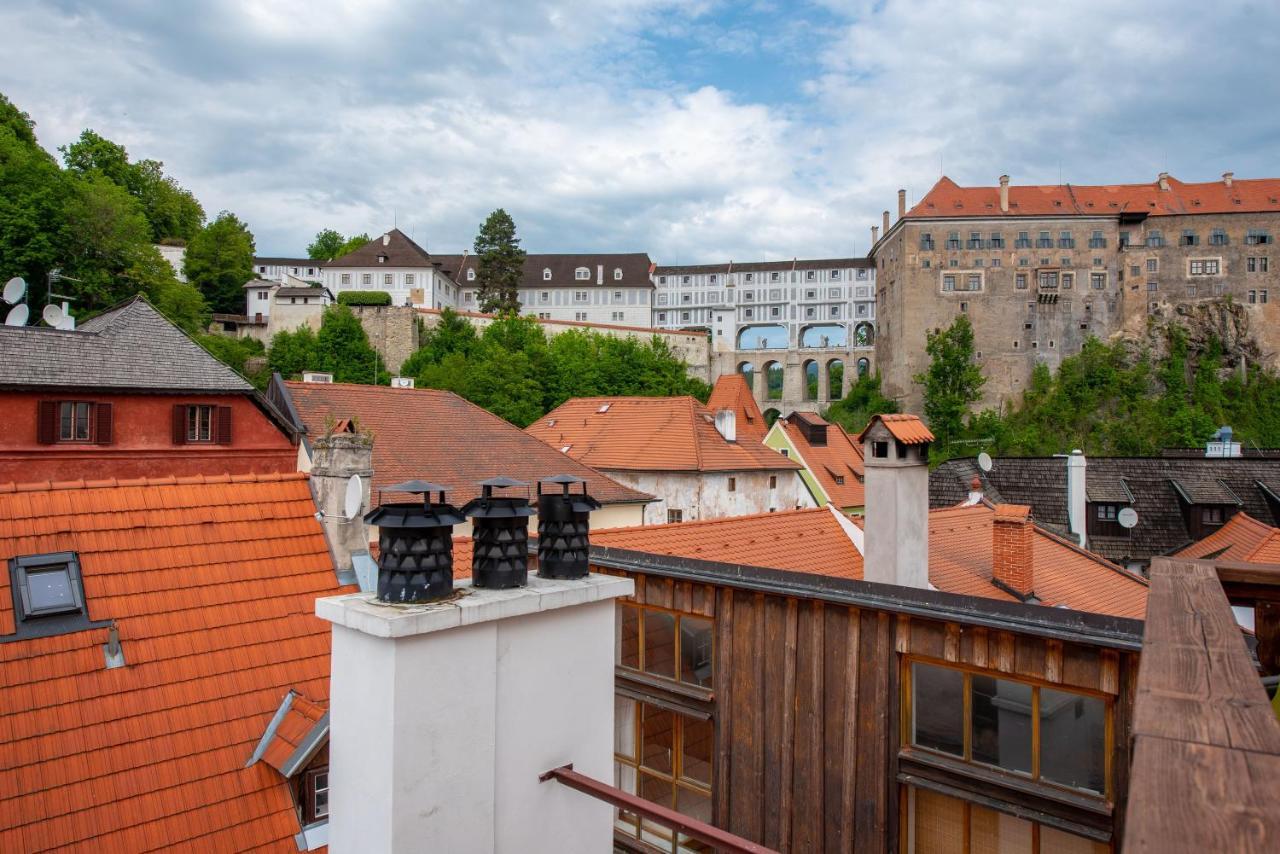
(807, 699)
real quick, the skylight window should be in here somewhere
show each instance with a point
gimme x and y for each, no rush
(48, 584)
(603, 408)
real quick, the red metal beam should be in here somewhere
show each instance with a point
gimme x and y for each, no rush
(722, 840)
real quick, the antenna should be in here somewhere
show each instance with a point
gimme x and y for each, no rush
(14, 290)
(17, 315)
(354, 497)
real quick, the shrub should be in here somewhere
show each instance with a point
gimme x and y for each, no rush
(364, 298)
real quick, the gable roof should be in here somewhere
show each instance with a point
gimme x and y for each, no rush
(1242, 538)
(399, 249)
(840, 457)
(907, 429)
(960, 554)
(438, 436)
(1160, 488)
(650, 434)
(128, 347)
(732, 392)
(635, 267)
(211, 582)
(948, 199)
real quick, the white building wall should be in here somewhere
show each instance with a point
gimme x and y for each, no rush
(308, 270)
(589, 303)
(707, 495)
(421, 287)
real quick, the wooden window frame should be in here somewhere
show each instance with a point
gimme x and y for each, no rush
(675, 683)
(1032, 780)
(309, 812)
(73, 439)
(907, 807)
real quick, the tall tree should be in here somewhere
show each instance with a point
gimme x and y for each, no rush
(33, 192)
(353, 243)
(953, 382)
(343, 349)
(106, 239)
(219, 261)
(327, 245)
(500, 261)
(863, 400)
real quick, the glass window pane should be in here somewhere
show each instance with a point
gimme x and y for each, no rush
(659, 791)
(695, 805)
(997, 832)
(50, 589)
(1073, 740)
(624, 726)
(1054, 841)
(64, 420)
(82, 421)
(937, 708)
(695, 651)
(937, 822)
(698, 740)
(660, 643)
(657, 738)
(628, 652)
(1002, 723)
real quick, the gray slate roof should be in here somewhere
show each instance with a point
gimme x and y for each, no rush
(1160, 488)
(130, 346)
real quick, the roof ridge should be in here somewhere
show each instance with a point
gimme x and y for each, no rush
(167, 480)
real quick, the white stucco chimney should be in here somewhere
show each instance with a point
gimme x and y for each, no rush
(975, 492)
(599, 274)
(902, 203)
(1164, 180)
(896, 461)
(1004, 193)
(727, 424)
(1228, 177)
(386, 239)
(1077, 503)
(875, 234)
(444, 715)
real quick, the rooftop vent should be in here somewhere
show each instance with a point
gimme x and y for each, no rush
(500, 535)
(316, 377)
(402, 382)
(564, 524)
(1220, 445)
(415, 545)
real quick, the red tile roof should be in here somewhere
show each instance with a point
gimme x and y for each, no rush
(650, 434)
(948, 199)
(212, 583)
(437, 436)
(298, 723)
(732, 392)
(840, 457)
(1242, 538)
(907, 429)
(960, 554)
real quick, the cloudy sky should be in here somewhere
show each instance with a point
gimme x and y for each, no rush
(695, 131)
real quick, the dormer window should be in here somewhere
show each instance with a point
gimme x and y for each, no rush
(582, 274)
(48, 584)
(546, 274)
(880, 450)
(617, 274)
(471, 275)
(382, 258)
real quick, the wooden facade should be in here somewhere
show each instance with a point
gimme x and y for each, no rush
(812, 748)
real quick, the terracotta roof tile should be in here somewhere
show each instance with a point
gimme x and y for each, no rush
(840, 457)
(732, 392)
(907, 429)
(211, 582)
(650, 434)
(438, 436)
(1242, 538)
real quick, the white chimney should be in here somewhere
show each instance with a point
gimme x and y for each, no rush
(386, 239)
(896, 461)
(1228, 177)
(1164, 180)
(727, 424)
(1004, 193)
(975, 492)
(1077, 503)
(444, 715)
(875, 234)
(599, 274)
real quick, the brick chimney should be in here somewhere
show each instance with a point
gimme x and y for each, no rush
(1004, 193)
(1228, 177)
(886, 222)
(902, 203)
(875, 234)
(336, 459)
(1164, 181)
(1012, 553)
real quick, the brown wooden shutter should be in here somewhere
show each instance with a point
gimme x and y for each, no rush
(47, 422)
(223, 425)
(102, 427)
(179, 424)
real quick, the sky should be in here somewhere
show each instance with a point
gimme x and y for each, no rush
(695, 131)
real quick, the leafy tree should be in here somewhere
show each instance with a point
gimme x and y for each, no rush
(291, 353)
(33, 201)
(153, 276)
(235, 353)
(500, 261)
(352, 244)
(952, 382)
(106, 238)
(343, 349)
(452, 334)
(864, 399)
(219, 261)
(327, 245)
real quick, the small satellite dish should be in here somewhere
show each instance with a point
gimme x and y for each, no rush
(1127, 517)
(53, 315)
(354, 497)
(14, 289)
(984, 461)
(18, 315)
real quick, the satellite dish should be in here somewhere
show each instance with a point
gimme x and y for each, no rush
(354, 497)
(14, 289)
(18, 315)
(53, 315)
(1127, 517)
(984, 461)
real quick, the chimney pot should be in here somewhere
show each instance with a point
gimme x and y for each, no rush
(886, 222)
(1228, 177)
(564, 529)
(1004, 193)
(875, 234)
(902, 203)
(1012, 549)
(415, 545)
(1164, 180)
(500, 536)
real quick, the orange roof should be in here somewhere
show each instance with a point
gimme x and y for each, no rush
(948, 199)
(1242, 538)
(960, 554)
(211, 582)
(438, 436)
(840, 457)
(732, 392)
(650, 434)
(298, 723)
(907, 429)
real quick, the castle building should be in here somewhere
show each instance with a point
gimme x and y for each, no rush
(1040, 269)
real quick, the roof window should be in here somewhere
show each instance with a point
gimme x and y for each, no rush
(617, 274)
(546, 274)
(603, 408)
(582, 274)
(48, 584)
(471, 275)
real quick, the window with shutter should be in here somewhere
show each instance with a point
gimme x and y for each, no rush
(47, 422)
(179, 424)
(102, 425)
(223, 435)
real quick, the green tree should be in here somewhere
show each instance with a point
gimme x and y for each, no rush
(352, 244)
(33, 201)
(219, 261)
(153, 276)
(451, 334)
(500, 262)
(343, 349)
(952, 383)
(327, 245)
(863, 400)
(106, 240)
(235, 353)
(291, 353)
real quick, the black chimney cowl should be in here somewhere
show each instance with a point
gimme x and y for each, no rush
(415, 545)
(564, 526)
(500, 535)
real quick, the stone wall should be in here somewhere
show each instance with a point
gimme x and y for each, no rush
(392, 330)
